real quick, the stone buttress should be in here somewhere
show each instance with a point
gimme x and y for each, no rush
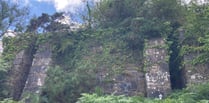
(38, 72)
(19, 72)
(156, 66)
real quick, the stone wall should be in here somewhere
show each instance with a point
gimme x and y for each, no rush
(19, 72)
(157, 74)
(129, 82)
(37, 74)
(154, 81)
(124, 78)
(195, 74)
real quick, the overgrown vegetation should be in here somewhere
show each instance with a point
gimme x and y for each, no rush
(196, 32)
(113, 39)
(12, 45)
(79, 60)
(193, 94)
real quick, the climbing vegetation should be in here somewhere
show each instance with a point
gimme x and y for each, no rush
(12, 45)
(115, 38)
(4, 67)
(80, 58)
(196, 32)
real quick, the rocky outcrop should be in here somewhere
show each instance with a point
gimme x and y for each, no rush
(157, 74)
(38, 71)
(195, 74)
(19, 72)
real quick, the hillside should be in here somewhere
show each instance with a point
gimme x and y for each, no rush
(125, 51)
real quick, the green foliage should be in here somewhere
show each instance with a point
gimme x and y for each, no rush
(194, 94)
(12, 45)
(120, 28)
(64, 84)
(111, 12)
(11, 16)
(82, 54)
(196, 23)
(196, 33)
(30, 97)
(8, 100)
(47, 23)
(81, 59)
(152, 18)
(9, 48)
(94, 98)
(4, 67)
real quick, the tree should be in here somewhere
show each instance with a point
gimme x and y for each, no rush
(109, 12)
(12, 16)
(197, 32)
(152, 15)
(47, 23)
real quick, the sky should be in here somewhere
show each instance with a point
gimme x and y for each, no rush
(37, 7)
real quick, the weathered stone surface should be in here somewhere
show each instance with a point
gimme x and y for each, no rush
(37, 74)
(195, 74)
(19, 72)
(157, 70)
(129, 82)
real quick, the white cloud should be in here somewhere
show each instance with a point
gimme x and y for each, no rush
(60, 5)
(66, 5)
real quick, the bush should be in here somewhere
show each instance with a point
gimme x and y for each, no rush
(194, 94)
(8, 100)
